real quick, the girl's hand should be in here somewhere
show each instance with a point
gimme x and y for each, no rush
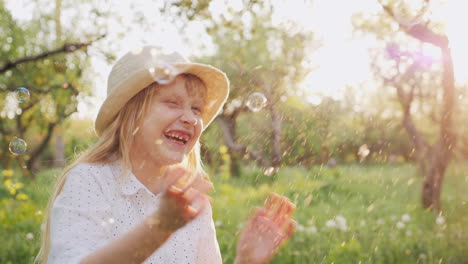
(182, 201)
(266, 231)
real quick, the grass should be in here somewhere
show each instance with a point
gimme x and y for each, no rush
(350, 214)
(380, 204)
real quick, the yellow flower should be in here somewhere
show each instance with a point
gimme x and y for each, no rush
(223, 149)
(12, 190)
(22, 197)
(7, 173)
(226, 157)
(8, 183)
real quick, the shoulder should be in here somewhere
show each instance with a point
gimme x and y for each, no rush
(85, 185)
(88, 172)
(94, 177)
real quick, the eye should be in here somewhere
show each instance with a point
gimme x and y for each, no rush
(196, 109)
(171, 102)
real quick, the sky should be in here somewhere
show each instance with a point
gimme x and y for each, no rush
(341, 52)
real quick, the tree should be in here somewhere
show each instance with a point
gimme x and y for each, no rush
(51, 68)
(257, 56)
(418, 82)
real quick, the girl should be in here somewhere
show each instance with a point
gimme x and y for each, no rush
(139, 195)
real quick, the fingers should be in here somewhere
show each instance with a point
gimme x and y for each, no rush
(188, 195)
(199, 203)
(280, 211)
(291, 228)
(173, 177)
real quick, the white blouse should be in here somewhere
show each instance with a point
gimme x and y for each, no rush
(98, 204)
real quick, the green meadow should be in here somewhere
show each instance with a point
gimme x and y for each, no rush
(349, 214)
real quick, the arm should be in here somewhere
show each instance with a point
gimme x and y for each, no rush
(134, 247)
(180, 205)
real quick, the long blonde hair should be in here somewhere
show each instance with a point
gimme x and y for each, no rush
(116, 141)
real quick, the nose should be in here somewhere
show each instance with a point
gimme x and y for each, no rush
(189, 118)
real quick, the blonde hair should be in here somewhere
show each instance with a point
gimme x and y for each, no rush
(115, 143)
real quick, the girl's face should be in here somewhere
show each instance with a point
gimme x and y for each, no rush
(172, 125)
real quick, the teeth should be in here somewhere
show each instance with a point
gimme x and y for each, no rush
(177, 137)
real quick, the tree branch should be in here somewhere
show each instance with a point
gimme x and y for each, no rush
(67, 47)
(418, 31)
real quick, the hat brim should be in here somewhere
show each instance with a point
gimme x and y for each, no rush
(216, 83)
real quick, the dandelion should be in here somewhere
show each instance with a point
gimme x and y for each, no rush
(338, 222)
(331, 223)
(380, 221)
(311, 229)
(300, 227)
(362, 223)
(440, 220)
(405, 218)
(400, 225)
(29, 236)
(217, 223)
(422, 256)
(409, 233)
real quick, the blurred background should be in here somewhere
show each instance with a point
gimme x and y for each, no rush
(355, 110)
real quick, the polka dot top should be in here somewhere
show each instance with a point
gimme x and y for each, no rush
(98, 204)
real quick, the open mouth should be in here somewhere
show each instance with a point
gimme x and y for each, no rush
(178, 137)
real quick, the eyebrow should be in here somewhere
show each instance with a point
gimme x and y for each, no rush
(195, 99)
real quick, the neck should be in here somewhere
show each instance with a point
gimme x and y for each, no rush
(147, 171)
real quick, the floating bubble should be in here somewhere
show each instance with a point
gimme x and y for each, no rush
(363, 151)
(17, 146)
(163, 74)
(269, 171)
(256, 102)
(22, 95)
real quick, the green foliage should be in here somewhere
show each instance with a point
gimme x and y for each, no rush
(54, 81)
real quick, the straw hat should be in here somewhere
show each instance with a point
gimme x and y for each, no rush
(139, 68)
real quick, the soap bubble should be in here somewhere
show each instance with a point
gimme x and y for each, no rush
(17, 146)
(256, 102)
(163, 74)
(270, 171)
(363, 151)
(22, 95)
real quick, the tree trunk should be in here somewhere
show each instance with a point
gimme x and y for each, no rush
(59, 153)
(276, 124)
(31, 163)
(433, 179)
(228, 126)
